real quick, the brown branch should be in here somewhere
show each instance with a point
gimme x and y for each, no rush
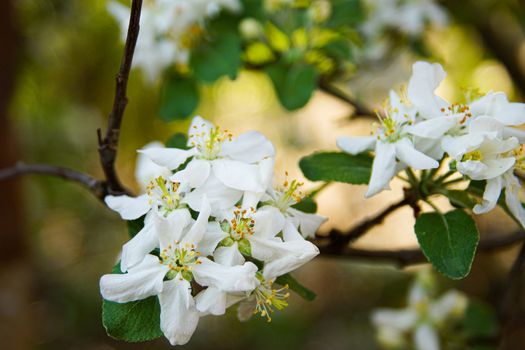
(403, 257)
(360, 110)
(94, 185)
(338, 240)
(108, 145)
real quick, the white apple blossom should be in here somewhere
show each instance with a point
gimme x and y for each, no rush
(161, 203)
(219, 163)
(421, 319)
(295, 223)
(410, 17)
(168, 276)
(168, 30)
(393, 144)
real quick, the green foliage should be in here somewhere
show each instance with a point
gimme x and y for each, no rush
(180, 97)
(220, 56)
(294, 83)
(297, 287)
(346, 12)
(177, 140)
(307, 205)
(479, 320)
(337, 166)
(448, 241)
(135, 321)
(460, 199)
(134, 226)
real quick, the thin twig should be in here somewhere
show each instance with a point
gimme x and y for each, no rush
(404, 257)
(338, 240)
(94, 185)
(360, 110)
(109, 144)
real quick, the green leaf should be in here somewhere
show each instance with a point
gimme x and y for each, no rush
(297, 287)
(216, 58)
(177, 140)
(346, 13)
(135, 321)
(337, 166)
(460, 198)
(306, 205)
(448, 241)
(180, 97)
(294, 84)
(134, 226)
(479, 320)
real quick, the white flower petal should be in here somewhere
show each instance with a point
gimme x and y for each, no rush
(228, 256)
(178, 315)
(434, 128)
(490, 196)
(238, 175)
(282, 257)
(426, 338)
(512, 189)
(308, 223)
(356, 144)
(250, 147)
(211, 301)
(146, 170)
(134, 251)
(425, 79)
(170, 158)
(401, 320)
(198, 229)
(406, 152)
(269, 221)
(194, 175)
(452, 304)
(219, 196)
(197, 127)
(214, 234)
(240, 278)
(141, 281)
(383, 168)
(290, 232)
(129, 208)
(169, 229)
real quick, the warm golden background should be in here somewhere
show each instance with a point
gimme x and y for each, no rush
(58, 59)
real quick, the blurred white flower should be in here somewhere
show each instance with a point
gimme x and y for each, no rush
(421, 319)
(168, 30)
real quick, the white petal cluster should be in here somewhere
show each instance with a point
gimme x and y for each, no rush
(407, 17)
(213, 215)
(480, 137)
(418, 324)
(168, 30)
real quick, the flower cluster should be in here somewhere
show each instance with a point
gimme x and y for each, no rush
(419, 128)
(408, 18)
(215, 230)
(168, 30)
(422, 319)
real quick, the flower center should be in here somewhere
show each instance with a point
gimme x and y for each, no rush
(391, 124)
(164, 194)
(180, 259)
(240, 225)
(268, 298)
(289, 195)
(519, 154)
(457, 108)
(208, 142)
(474, 156)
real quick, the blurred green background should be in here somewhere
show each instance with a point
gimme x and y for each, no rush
(59, 59)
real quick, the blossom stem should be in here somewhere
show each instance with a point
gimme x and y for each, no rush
(108, 145)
